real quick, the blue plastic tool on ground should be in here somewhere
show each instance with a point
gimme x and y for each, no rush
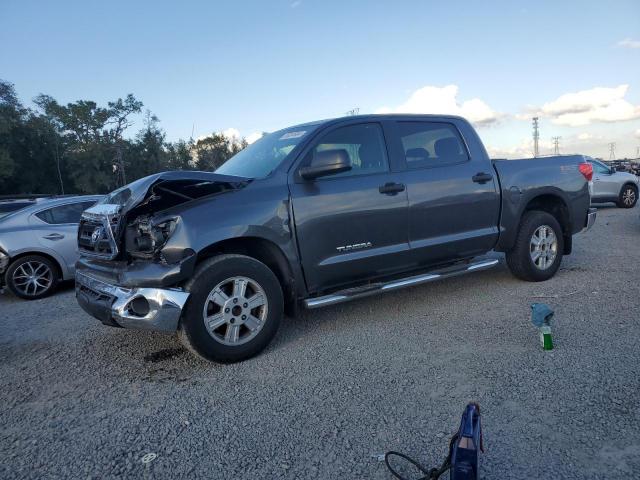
(464, 448)
(466, 445)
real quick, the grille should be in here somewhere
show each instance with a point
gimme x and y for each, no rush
(95, 237)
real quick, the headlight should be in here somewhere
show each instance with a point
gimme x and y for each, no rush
(146, 238)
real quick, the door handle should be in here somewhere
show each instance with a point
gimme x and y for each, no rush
(482, 177)
(392, 188)
(54, 236)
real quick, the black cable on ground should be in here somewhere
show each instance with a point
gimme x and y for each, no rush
(430, 474)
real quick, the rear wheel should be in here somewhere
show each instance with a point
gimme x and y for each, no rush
(234, 310)
(32, 277)
(628, 196)
(537, 253)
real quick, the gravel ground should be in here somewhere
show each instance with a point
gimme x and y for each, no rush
(340, 384)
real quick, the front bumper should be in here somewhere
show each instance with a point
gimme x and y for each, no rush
(153, 309)
(591, 219)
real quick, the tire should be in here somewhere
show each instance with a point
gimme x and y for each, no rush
(243, 329)
(520, 258)
(32, 277)
(628, 196)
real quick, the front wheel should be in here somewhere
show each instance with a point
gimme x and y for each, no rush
(537, 252)
(234, 310)
(628, 197)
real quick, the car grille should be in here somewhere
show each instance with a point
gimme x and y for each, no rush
(95, 236)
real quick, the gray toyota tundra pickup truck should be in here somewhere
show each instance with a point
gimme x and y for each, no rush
(315, 215)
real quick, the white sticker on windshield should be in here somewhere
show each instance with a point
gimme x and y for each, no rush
(289, 135)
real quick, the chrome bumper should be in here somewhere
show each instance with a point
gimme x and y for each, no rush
(113, 305)
(591, 219)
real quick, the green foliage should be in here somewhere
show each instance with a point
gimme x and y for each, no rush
(81, 147)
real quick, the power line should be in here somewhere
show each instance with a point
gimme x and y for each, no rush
(612, 150)
(536, 138)
(556, 145)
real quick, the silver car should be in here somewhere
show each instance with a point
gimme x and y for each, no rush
(612, 186)
(38, 244)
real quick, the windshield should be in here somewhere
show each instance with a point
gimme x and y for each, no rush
(262, 157)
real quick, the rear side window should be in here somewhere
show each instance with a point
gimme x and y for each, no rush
(431, 144)
(69, 213)
(7, 208)
(364, 144)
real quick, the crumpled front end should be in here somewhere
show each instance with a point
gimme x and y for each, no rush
(135, 253)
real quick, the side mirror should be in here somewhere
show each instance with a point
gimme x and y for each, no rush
(612, 170)
(327, 162)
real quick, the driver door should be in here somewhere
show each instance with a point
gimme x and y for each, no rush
(605, 185)
(353, 225)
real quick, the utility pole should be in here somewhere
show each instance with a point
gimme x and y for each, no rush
(556, 145)
(536, 138)
(612, 151)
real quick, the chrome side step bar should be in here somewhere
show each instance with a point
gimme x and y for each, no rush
(372, 289)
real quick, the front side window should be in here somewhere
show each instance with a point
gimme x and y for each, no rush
(364, 145)
(431, 144)
(69, 213)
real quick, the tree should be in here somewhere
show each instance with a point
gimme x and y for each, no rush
(150, 154)
(82, 147)
(214, 150)
(94, 139)
(179, 156)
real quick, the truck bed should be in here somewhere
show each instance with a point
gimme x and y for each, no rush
(523, 179)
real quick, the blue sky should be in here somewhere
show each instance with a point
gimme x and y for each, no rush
(261, 65)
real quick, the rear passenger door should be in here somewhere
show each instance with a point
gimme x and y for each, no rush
(454, 202)
(352, 225)
(56, 228)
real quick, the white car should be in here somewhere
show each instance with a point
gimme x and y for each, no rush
(38, 243)
(611, 186)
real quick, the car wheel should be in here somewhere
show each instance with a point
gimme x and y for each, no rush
(32, 277)
(537, 253)
(628, 196)
(234, 310)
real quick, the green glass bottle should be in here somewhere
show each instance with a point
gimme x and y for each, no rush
(545, 337)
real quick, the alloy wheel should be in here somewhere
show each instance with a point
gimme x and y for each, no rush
(629, 196)
(543, 247)
(235, 310)
(32, 278)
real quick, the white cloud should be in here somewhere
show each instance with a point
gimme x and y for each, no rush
(629, 43)
(582, 143)
(443, 100)
(252, 137)
(231, 133)
(599, 104)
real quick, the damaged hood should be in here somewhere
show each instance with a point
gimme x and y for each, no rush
(167, 189)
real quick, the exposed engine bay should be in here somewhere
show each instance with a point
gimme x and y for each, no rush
(131, 217)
